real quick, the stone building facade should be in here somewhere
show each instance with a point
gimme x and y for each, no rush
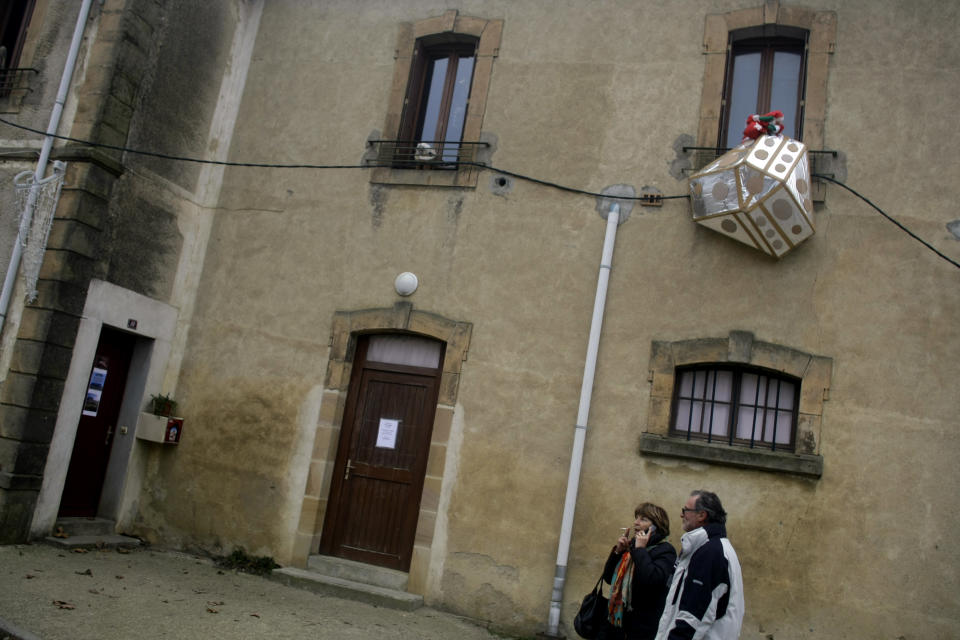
(324, 413)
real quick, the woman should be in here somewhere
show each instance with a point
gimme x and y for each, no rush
(639, 570)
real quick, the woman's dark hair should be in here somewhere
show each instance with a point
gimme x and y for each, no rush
(657, 515)
(710, 503)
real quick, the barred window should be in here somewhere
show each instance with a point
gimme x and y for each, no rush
(741, 406)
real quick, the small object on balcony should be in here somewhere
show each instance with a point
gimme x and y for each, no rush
(769, 124)
(425, 152)
(758, 193)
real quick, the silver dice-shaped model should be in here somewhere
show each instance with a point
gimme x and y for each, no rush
(758, 193)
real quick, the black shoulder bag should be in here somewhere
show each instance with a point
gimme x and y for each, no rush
(592, 615)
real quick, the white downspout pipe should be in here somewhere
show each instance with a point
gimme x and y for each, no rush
(580, 433)
(65, 79)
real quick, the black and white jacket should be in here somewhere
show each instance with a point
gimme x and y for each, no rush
(705, 601)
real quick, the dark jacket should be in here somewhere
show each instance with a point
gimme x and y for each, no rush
(652, 570)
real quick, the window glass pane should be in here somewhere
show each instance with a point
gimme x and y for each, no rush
(779, 420)
(686, 384)
(717, 419)
(431, 117)
(780, 395)
(723, 388)
(694, 422)
(749, 423)
(752, 389)
(697, 425)
(709, 385)
(697, 418)
(684, 420)
(703, 405)
(683, 415)
(783, 427)
(766, 409)
(769, 423)
(786, 87)
(407, 350)
(458, 107)
(699, 383)
(743, 94)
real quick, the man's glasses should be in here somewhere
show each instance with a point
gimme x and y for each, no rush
(683, 510)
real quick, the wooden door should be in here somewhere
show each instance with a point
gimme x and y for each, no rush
(95, 431)
(381, 462)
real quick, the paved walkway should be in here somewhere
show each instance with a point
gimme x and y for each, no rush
(48, 593)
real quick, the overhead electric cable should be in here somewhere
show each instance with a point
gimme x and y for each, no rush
(890, 218)
(265, 165)
(545, 183)
(480, 165)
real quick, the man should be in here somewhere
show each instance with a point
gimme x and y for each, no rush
(706, 596)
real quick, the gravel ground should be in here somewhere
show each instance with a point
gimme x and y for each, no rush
(53, 594)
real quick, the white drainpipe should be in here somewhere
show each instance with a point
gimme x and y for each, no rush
(65, 79)
(580, 433)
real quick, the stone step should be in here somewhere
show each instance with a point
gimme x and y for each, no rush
(86, 526)
(110, 541)
(349, 589)
(358, 572)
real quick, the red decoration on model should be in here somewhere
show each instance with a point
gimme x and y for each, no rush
(769, 124)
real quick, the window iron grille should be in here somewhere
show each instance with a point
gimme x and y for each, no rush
(736, 407)
(425, 154)
(12, 80)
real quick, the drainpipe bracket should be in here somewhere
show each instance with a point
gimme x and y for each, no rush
(615, 194)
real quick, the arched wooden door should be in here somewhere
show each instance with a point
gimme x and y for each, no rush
(382, 453)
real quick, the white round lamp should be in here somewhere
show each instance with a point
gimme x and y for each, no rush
(406, 283)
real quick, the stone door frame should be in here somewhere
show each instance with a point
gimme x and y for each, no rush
(345, 329)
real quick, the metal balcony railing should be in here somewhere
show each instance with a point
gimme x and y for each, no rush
(12, 80)
(425, 154)
(821, 160)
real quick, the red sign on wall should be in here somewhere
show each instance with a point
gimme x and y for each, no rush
(174, 429)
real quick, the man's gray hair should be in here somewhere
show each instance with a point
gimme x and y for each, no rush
(710, 503)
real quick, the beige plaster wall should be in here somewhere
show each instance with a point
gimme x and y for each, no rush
(590, 94)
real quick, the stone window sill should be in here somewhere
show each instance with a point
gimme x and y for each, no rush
(777, 461)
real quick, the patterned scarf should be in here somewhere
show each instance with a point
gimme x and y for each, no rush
(620, 590)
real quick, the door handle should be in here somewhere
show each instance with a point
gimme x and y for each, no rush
(106, 440)
(349, 467)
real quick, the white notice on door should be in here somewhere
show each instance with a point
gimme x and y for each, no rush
(387, 435)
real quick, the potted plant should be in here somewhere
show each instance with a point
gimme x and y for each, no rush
(162, 405)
